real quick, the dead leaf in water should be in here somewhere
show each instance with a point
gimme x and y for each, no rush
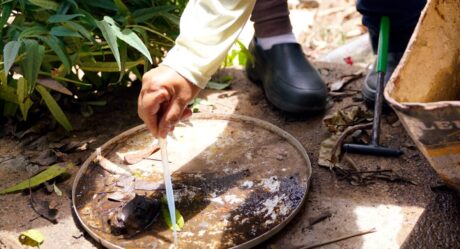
(135, 216)
(110, 166)
(140, 155)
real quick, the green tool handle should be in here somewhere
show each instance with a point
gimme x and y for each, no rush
(383, 44)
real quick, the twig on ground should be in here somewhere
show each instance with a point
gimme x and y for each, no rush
(342, 94)
(5, 159)
(348, 132)
(317, 219)
(351, 162)
(373, 230)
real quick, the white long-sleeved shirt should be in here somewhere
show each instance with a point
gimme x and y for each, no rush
(208, 28)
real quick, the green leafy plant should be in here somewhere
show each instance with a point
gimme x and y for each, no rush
(238, 55)
(221, 83)
(75, 47)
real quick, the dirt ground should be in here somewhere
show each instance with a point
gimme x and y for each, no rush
(404, 215)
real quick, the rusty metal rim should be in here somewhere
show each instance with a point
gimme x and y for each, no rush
(404, 106)
(231, 117)
(429, 106)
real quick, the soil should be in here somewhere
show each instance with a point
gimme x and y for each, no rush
(420, 215)
(404, 215)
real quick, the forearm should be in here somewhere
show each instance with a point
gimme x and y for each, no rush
(208, 28)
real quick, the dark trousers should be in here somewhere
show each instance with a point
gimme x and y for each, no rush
(271, 17)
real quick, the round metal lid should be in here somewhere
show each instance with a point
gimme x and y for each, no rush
(237, 181)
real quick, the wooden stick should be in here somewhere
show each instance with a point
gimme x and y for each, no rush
(373, 230)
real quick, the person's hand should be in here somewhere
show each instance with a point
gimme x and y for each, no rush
(163, 99)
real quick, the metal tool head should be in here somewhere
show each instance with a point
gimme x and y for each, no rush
(371, 150)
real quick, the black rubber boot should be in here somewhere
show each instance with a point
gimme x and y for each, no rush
(370, 83)
(290, 82)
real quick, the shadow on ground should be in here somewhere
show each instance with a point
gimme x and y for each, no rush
(405, 215)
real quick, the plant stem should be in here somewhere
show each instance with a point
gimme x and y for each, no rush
(151, 31)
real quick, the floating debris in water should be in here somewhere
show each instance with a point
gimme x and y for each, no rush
(135, 216)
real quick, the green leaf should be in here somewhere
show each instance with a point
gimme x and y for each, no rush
(62, 18)
(46, 175)
(3, 79)
(9, 109)
(31, 64)
(63, 31)
(217, 86)
(145, 14)
(238, 55)
(32, 32)
(226, 78)
(129, 37)
(10, 51)
(222, 83)
(196, 103)
(8, 93)
(171, 18)
(6, 12)
(64, 7)
(46, 4)
(111, 39)
(247, 55)
(23, 98)
(104, 4)
(54, 108)
(179, 218)
(122, 7)
(82, 30)
(56, 45)
(123, 59)
(134, 41)
(107, 66)
(73, 3)
(32, 238)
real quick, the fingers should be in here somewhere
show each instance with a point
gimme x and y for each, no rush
(187, 113)
(171, 117)
(163, 99)
(149, 105)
